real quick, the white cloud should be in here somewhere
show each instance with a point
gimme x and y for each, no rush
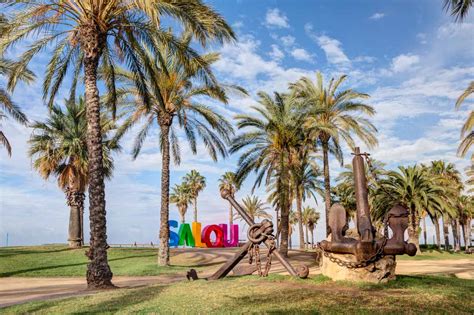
(377, 16)
(287, 40)
(276, 53)
(302, 54)
(331, 47)
(422, 38)
(276, 19)
(404, 62)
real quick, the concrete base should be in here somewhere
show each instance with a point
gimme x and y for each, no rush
(381, 271)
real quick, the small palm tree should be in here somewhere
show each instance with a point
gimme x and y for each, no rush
(85, 35)
(292, 222)
(306, 181)
(255, 208)
(58, 147)
(196, 183)
(228, 182)
(312, 221)
(414, 188)
(181, 195)
(271, 139)
(7, 106)
(333, 117)
(310, 218)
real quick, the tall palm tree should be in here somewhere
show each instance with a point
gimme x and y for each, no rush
(181, 195)
(255, 208)
(85, 34)
(333, 116)
(467, 133)
(458, 8)
(466, 211)
(271, 140)
(305, 179)
(196, 183)
(414, 188)
(58, 147)
(175, 92)
(446, 175)
(228, 182)
(7, 106)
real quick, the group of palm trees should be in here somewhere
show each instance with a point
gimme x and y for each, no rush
(147, 73)
(187, 192)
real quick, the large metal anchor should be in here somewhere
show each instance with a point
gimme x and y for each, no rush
(261, 233)
(367, 249)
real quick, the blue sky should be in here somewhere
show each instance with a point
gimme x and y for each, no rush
(408, 55)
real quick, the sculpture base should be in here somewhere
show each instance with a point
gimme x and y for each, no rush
(381, 271)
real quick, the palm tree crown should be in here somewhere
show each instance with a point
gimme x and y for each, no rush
(196, 183)
(181, 195)
(333, 116)
(255, 208)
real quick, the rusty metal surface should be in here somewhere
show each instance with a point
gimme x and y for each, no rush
(260, 233)
(366, 249)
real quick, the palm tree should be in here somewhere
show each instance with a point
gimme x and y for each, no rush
(310, 218)
(458, 8)
(305, 179)
(175, 92)
(293, 220)
(58, 147)
(312, 221)
(447, 176)
(466, 213)
(255, 208)
(333, 116)
(414, 188)
(196, 183)
(228, 182)
(85, 34)
(272, 139)
(7, 106)
(181, 195)
(467, 133)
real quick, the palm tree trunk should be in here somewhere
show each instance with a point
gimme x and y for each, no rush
(74, 232)
(99, 274)
(277, 230)
(195, 209)
(437, 232)
(327, 183)
(456, 235)
(164, 250)
(307, 236)
(446, 233)
(424, 231)
(299, 213)
(312, 238)
(466, 229)
(285, 208)
(413, 224)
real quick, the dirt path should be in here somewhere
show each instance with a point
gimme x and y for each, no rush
(16, 290)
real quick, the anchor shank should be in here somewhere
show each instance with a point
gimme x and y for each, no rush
(364, 225)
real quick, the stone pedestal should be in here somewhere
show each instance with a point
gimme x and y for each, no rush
(381, 271)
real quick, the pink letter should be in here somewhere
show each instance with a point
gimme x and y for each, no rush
(234, 235)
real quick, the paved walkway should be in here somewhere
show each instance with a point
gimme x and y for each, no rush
(16, 290)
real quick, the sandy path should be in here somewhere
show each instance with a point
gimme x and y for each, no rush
(15, 290)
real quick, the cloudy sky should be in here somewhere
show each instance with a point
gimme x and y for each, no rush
(408, 55)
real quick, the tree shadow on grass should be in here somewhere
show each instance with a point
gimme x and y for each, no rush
(18, 272)
(113, 304)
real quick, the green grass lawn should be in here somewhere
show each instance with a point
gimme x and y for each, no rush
(59, 261)
(276, 294)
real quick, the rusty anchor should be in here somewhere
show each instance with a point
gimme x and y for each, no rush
(367, 249)
(260, 233)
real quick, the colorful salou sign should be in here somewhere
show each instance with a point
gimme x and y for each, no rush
(193, 236)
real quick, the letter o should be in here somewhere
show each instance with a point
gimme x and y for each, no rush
(206, 236)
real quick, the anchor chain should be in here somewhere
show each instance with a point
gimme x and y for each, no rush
(354, 265)
(254, 249)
